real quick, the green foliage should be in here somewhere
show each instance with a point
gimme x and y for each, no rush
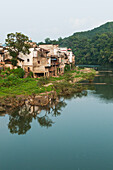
(68, 77)
(90, 76)
(47, 41)
(98, 50)
(11, 80)
(12, 85)
(16, 86)
(14, 61)
(43, 80)
(30, 74)
(19, 72)
(66, 88)
(67, 68)
(91, 47)
(17, 43)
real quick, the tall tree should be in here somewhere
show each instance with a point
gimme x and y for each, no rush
(17, 43)
(47, 41)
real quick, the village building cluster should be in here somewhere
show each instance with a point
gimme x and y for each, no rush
(43, 60)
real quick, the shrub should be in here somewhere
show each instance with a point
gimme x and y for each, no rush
(19, 72)
(67, 68)
(90, 76)
(30, 74)
(69, 77)
(43, 81)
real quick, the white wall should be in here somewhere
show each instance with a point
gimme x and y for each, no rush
(27, 57)
(49, 62)
(70, 56)
(55, 51)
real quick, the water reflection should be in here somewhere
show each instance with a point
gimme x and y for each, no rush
(105, 91)
(102, 86)
(20, 120)
(19, 123)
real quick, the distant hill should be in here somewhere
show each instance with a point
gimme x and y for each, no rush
(90, 47)
(106, 28)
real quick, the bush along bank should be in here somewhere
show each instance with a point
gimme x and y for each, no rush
(15, 90)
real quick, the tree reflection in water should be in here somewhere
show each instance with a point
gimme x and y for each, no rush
(21, 119)
(57, 108)
(45, 121)
(19, 122)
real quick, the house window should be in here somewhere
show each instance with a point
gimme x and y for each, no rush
(38, 62)
(27, 60)
(28, 69)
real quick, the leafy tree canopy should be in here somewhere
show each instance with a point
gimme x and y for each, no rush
(17, 42)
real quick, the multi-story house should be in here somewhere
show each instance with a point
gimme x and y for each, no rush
(70, 59)
(59, 58)
(53, 55)
(62, 61)
(37, 61)
(41, 63)
(43, 60)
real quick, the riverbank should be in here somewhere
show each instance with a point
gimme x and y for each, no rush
(84, 120)
(12, 86)
(14, 92)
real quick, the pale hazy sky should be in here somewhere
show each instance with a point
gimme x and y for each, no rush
(40, 19)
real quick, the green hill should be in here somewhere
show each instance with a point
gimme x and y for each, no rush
(106, 28)
(90, 47)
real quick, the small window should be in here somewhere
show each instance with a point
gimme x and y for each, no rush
(28, 69)
(38, 62)
(27, 60)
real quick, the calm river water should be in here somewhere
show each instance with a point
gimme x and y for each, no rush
(76, 134)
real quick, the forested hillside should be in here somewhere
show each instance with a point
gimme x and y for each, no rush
(106, 28)
(90, 47)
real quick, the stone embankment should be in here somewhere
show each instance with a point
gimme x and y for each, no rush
(7, 105)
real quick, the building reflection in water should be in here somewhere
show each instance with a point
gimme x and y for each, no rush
(20, 119)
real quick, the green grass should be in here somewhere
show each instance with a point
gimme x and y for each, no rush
(12, 86)
(23, 87)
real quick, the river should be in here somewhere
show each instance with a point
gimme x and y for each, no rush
(74, 133)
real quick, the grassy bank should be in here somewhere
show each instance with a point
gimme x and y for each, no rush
(14, 85)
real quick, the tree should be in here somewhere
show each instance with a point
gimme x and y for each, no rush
(47, 41)
(60, 39)
(17, 43)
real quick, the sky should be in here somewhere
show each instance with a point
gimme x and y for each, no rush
(39, 19)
